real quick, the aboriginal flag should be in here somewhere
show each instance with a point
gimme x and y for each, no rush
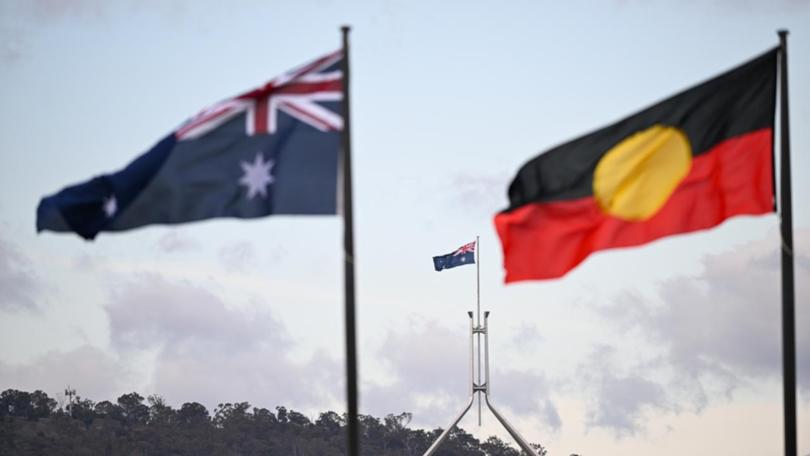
(684, 164)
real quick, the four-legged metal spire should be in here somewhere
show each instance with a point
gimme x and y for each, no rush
(481, 388)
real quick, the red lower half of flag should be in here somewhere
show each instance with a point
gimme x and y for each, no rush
(546, 240)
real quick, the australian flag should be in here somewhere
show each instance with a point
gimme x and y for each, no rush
(463, 255)
(272, 150)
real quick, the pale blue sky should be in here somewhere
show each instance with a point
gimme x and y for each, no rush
(449, 99)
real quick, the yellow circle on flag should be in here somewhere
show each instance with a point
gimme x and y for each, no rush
(637, 176)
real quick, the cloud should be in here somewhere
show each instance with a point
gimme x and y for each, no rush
(19, 283)
(94, 373)
(173, 242)
(47, 10)
(729, 319)
(211, 353)
(716, 332)
(428, 370)
(619, 399)
(147, 310)
(238, 256)
(12, 45)
(20, 20)
(429, 367)
(525, 336)
(481, 194)
(735, 6)
(525, 394)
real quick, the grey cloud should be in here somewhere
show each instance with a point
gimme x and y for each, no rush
(765, 5)
(481, 193)
(622, 401)
(16, 17)
(149, 311)
(91, 263)
(46, 10)
(717, 332)
(525, 394)
(12, 44)
(238, 256)
(730, 320)
(260, 375)
(736, 6)
(94, 373)
(430, 367)
(525, 336)
(619, 399)
(19, 283)
(211, 353)
(19, 20)
(430, 349)
(173, 242)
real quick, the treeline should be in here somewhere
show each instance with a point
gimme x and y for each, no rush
(35, 424)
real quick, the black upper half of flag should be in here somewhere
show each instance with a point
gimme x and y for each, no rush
(463, 255)
(739, 101)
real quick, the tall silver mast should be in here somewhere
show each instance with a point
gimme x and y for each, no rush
(478, 313)
(477, 386)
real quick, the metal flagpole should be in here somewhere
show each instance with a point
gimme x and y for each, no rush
(786, 229)
(478, 283)
(479, 386)
(348, 257)
(478, 313)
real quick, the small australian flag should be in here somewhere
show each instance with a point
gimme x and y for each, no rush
(463, 255)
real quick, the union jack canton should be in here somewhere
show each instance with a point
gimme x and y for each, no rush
(296, 93)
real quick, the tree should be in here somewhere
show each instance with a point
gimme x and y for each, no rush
(106, 409)
(16, 403)
(396, 432)
(329, 423)
(494, 446)
(41, 405)
(539, 449)
(193, 413)
(133, 410)
(159, 412)
(32, 424)
(83, 410)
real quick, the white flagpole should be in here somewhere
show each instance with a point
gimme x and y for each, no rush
(478, 279)
(478, 313)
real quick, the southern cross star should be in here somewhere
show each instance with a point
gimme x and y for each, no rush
(110, 206)
(257, 176)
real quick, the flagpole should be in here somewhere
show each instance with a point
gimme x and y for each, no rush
(786, 229)
(478, 279)
(348, 258)
(478, 316)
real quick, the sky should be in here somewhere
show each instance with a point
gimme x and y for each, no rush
(668, 348)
